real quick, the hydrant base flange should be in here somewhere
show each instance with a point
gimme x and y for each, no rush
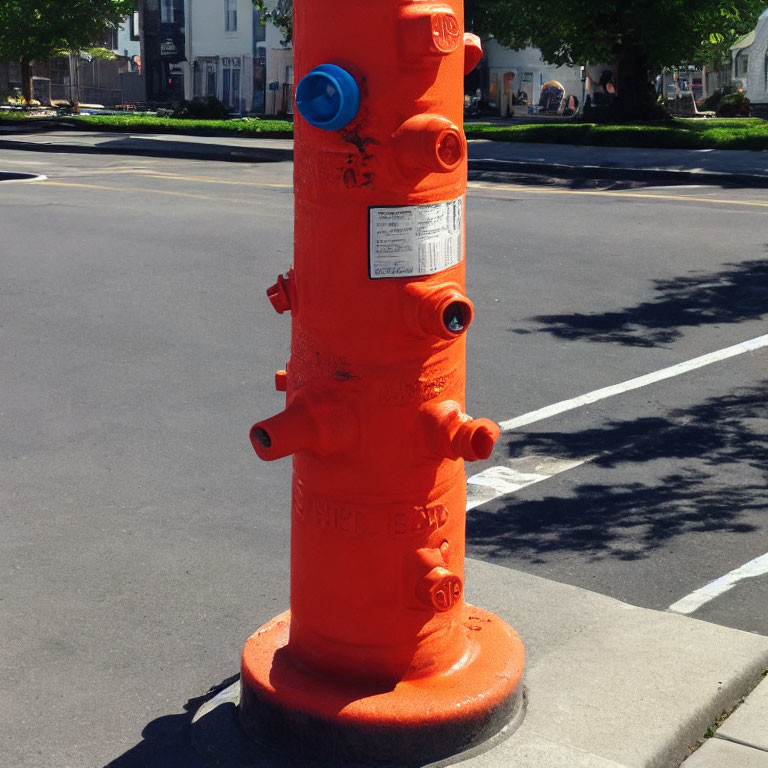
(416, 721)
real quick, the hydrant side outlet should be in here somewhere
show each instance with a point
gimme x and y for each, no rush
(379, 659)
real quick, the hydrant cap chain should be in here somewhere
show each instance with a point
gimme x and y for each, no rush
(328, 97)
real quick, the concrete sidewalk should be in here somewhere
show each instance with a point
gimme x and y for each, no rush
(232, 149)
(609, 685)
(684, 166)
(693, 162)
(742, 739)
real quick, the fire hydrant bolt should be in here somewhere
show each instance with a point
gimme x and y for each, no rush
(440, 589)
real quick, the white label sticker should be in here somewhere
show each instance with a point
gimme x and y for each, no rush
(415, 240)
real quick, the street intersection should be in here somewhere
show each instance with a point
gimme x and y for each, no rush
(144, 541)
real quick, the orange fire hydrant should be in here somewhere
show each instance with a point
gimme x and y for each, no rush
(379, 658)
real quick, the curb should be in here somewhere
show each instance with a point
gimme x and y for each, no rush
(559, 171)
(72, 125)
(608, 685)
(226, 153)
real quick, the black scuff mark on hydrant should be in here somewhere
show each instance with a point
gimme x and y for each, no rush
(356, 172)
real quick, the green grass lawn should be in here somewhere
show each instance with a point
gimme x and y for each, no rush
(152, 124)
(745, 133)
(139, 123)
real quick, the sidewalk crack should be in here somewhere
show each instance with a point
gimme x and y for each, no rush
(740, 742)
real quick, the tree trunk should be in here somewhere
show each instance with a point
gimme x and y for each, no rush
(26, 79)
(636, 95)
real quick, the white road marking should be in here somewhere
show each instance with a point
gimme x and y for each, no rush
(514, 475)
(641, 381)
(694, 601)
(500, 480)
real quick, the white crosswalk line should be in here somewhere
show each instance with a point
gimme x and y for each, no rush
(715, 588)
(514, 475)
(641, 381)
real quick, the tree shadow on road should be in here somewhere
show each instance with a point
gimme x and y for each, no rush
(736, 294)
(722, 442)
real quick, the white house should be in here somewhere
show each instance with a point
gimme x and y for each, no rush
(209, 48)
(128, 38)
(510, 72)
(232, 56)
(750, 66)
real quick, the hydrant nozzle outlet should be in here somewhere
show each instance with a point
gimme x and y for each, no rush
(454, 435)
(439, 310)
(328, 97)
(429, 144)
(473, 52)
(279, 294)
(318, 425)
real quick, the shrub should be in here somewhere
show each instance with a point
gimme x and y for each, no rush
(711, 103)
(209, 108)
(734, 105)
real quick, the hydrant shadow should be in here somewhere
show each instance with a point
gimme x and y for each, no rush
(213, 739)
(166, 741)
(208, 734)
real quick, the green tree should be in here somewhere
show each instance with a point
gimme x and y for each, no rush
(280, 13)
(38, 29)
(638, 36)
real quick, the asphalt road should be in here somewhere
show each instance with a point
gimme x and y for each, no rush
(142, 541)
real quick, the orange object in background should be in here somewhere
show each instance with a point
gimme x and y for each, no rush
(379, 658)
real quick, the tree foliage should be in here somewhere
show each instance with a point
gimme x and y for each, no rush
(37, 29)
(639, 36)
(280, 13)
(670, 32)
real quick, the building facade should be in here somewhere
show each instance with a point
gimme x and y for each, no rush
(227, 54)
(128, 42)
(518, 76)
(750, 66)
(193, 49)
(163, 48)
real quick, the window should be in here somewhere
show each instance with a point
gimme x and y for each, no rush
(204, 76)
(259, 80)
(109, 39)
(742, 64)
(259, 29)
(230, 13)
(231, 82)
(135, 25)
(166, 12)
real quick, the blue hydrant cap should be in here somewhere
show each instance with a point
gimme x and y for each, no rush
(328, 97)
